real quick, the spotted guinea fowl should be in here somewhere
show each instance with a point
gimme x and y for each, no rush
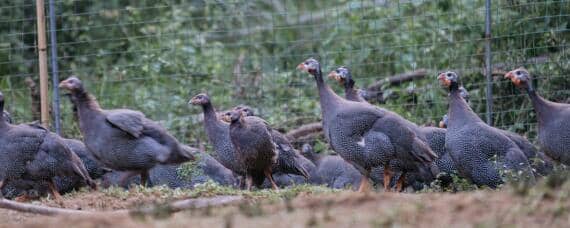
(123, 139)
(435, 136)
(33, 153)
(288, 160)
(218, 134)
(367, 136)
(553, 118)
(465, 95)
(252, 140)
(332, 170)
(479, 151)
(538, 160)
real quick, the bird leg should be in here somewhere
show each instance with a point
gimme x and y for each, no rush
(400, 182)
(267, 173)
(23, 198)
(54, 192)
(364, 183)
(387, 177)
(248, 182)
(145, 179)
(125, 178)
(1, 186)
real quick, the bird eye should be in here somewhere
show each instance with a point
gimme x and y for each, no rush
(306, 63)
(518, 73)
(448, 74)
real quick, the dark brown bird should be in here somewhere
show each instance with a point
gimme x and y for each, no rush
(123, 139)
(255, 148)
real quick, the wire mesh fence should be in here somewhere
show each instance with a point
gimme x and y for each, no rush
(153, 55)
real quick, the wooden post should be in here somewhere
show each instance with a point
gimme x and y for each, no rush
(42, 59)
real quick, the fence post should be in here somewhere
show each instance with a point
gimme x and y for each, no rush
(54, 68)
(42, 59)
(488, 64)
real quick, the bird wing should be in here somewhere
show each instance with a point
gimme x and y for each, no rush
(127, 120)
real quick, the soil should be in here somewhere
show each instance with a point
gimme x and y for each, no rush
(482, 208)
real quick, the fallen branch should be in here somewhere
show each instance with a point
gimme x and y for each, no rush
(173, 207)
(397, 79)
(38, 209)
(305, 129)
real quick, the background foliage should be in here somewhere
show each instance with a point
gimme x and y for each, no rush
(153, 55)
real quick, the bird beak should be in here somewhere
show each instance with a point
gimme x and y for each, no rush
(334, 75)
(441, 124)
(443, 80)
(226, 118)
(63, 84)
(302, 67)
(513, 78)
(192, 101)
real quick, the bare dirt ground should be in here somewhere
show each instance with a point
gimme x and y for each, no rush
(308, 208)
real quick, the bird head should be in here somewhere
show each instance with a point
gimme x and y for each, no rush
(232, 116)
(341, 75)
(447, 79)
(200, 99)
(247, 111)
(311, 66)
(71, 84)
(520, 77)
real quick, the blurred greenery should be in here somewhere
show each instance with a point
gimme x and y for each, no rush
(153, 55)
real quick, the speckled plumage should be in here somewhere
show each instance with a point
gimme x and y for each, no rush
(435, 137)
(478, 150)
(553, 119)
(29, 152)
(368, 136)
(122, 139)
(332, 170)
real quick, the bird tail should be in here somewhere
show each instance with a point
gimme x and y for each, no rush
(422, 152)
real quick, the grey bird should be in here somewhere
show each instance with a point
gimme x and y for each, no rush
(478, 150)
(123, 139)
(367, 136)
(553, 118)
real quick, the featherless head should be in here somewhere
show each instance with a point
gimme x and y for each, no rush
(341, 75)
(310, 66)
(520, 77)
(449, 78)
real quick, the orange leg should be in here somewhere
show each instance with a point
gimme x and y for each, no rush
(270, 177)
(54, 192)
(23, 198)
(387, 177)
(400, 182)
(365, 182)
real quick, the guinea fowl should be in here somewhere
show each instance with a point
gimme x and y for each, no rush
(123, 139)
(218, 134)
(435, 137)
(473, 145)
(254, 146)
(538, 160)
(465, 95)
(332, 170)
(33, 153)
(288, 159)
(553, 118)
(367, 136)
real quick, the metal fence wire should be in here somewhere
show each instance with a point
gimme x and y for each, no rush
(153, 55)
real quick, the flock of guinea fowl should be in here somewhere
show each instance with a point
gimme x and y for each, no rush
(378, 143)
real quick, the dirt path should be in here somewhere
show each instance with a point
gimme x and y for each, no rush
(343, 209)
